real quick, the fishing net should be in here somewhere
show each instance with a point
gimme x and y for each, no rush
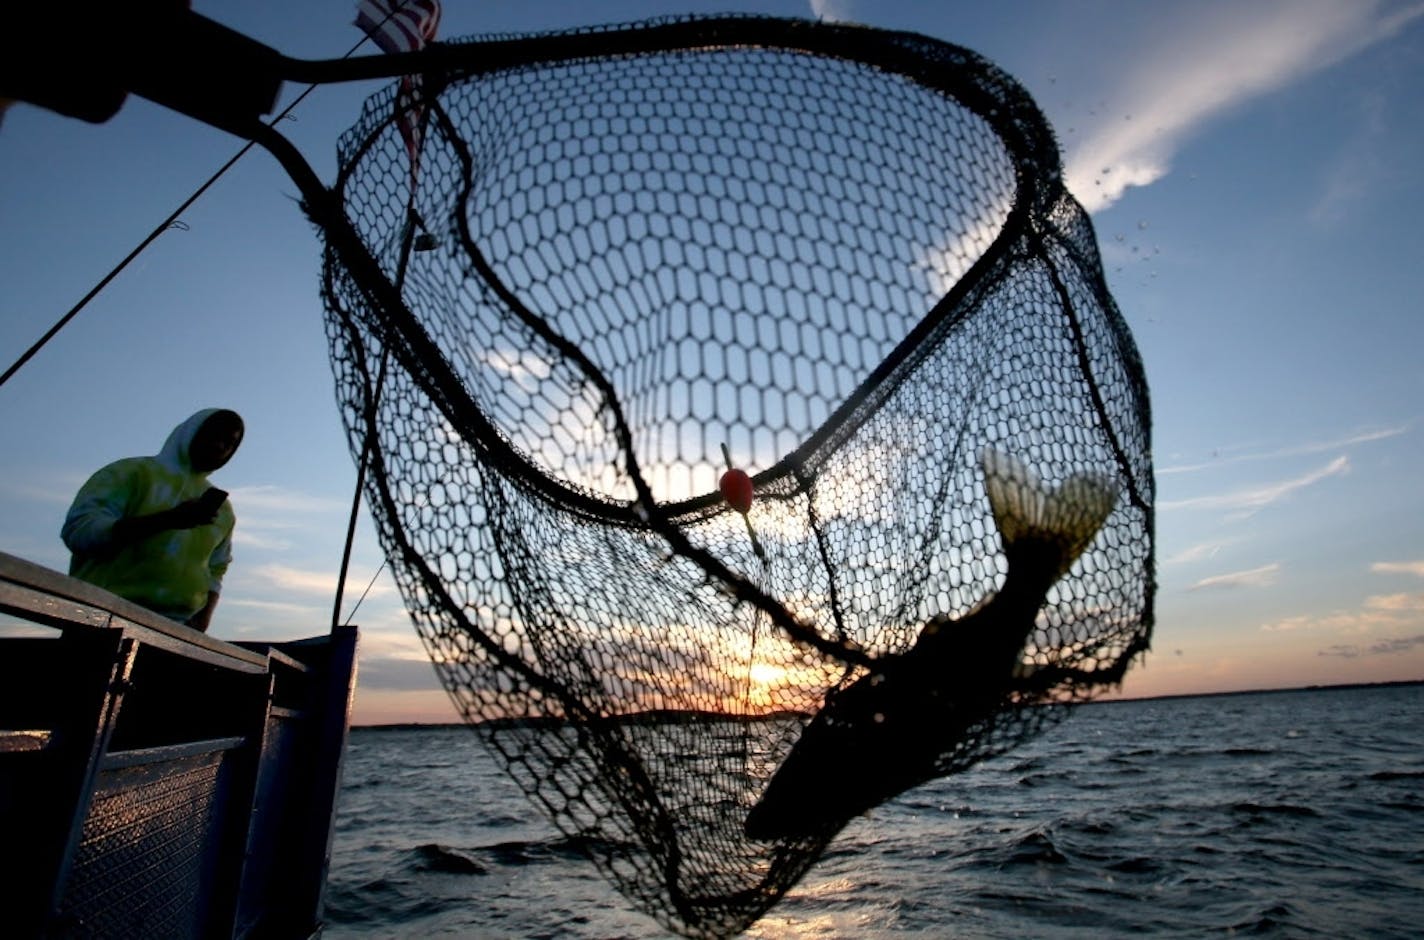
(844, 255)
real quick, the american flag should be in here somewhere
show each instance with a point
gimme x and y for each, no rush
(403, 26)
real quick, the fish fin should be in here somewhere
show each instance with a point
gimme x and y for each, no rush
(1025, 509)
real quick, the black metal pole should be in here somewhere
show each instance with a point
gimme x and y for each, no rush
(407, 241)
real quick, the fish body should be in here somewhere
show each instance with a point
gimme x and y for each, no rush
(886, 732)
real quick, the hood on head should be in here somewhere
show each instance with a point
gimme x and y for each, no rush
(175, 450)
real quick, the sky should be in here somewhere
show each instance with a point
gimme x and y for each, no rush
(1251, 170)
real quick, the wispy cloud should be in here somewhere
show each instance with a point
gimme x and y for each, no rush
(1202, 552)
(60, 489)
(267, 515)
(1397, 645)
(834, 10)
(1396, 602)
(266, 498)
(398, 674)
(55, 489)
(245, 537)
(948, 263)
(1208, 62)
(281, 608)
(1252, 455)
(1415, 568)
(318, 583)
(1263, 576)
(1339, 621)
(1380, 613)
(1361, 164)
(1386, 647)
(1251, 499)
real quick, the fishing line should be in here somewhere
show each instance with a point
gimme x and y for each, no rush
(163, 226)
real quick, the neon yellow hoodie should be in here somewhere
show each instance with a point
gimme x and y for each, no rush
(171, 572)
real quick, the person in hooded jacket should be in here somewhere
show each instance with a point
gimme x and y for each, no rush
(152, 529)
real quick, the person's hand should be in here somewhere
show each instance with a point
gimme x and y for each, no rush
(188, 514)
(200, 510)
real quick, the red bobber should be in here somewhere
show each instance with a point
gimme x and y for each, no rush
(736, 488)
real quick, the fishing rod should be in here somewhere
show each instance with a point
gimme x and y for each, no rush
(97, 101)
(213, 55)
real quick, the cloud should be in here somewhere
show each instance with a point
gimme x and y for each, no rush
(1382, 648)
(265, 512)
(392, 640)
(1415, 568)
(1396, 602)
(1255, 498)
(1210, 61)
(1360, 166)
(280, 608)
(1255, 577)
(268, 498)
(947, 264)
(1339, 621)
(523, 367)
(1299, 450)
(53, 491)
(1201, 552)
(1397, 645)
(59, 489)
(244, 537)
(402, 675)
(1379, 613)
(833, 10)
(320, 583)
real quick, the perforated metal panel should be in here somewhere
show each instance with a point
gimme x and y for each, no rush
(144, 866)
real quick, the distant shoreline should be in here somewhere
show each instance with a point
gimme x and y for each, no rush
(1342, 687)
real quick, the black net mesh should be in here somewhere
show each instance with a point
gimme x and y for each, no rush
(847, 257)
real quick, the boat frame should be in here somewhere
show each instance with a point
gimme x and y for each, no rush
(157, 781)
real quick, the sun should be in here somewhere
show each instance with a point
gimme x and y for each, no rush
(766, 674)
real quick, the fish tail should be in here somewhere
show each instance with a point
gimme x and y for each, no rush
(1026, 511)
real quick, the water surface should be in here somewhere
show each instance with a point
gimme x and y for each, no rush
(1290, 814)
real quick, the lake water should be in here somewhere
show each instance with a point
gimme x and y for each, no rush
(1289, 814)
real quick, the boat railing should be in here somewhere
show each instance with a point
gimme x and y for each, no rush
(158, 781)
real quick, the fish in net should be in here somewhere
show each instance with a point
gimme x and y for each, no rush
(755, 438)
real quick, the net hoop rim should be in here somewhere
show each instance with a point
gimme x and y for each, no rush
(952, 71)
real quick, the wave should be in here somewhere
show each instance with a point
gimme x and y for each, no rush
(437, 858)
(1136, 865)
(541, 851)
(1036, 848)
(383, 901)
(434, 857)
(1274, 919)
(1270, 809)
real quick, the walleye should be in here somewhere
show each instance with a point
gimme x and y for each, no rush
(883, 734)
